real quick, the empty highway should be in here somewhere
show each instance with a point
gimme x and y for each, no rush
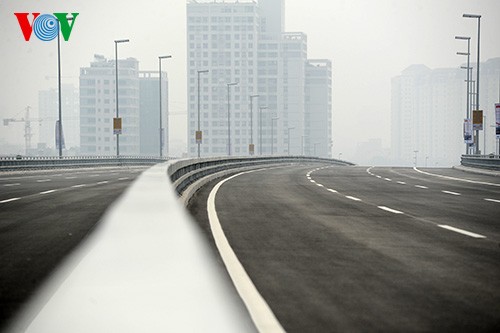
(44, 215)
(356, 249)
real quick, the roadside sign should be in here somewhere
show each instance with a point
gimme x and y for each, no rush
(117, 125)
(477, 120)
(199, 136)
(468, 131)
(497, 120)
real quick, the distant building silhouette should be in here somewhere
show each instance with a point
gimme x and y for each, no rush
(245, 42)
(428, 111)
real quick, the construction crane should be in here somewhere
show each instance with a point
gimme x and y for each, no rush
(27, 127)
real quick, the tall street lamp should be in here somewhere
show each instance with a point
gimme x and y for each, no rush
(198, 135)
(229, 117)
(161, 123)
(260, 127)
(251, 147)
(272, 133)
(117, 129)
(289, 128)
(478, 17)
(59, 123)
(468, 78)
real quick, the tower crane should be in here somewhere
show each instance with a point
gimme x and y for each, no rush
(27, 127)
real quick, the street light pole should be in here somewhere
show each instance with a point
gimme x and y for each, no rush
(116, 88)
(228, 117)
(272, 133)
(198, 139)
(161, 123)
(468, 78)
(478, 17)
(289, 128)
(260, 126)
(251, 123)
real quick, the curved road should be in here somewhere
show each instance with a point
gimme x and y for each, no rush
(352, 249)
(43, 216)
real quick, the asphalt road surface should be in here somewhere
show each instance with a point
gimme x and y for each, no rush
(357, 249)
(44, 215)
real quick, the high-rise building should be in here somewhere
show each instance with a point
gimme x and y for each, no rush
(48, 113)
(138, 107)
(428, 111)
(243, 42)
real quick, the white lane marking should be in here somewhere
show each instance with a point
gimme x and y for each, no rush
(43, 180)
(47, 192)
(492, 200)
(9, 200)
(378, 176)
(389, 180)
(123, 178)
(402, 183)
(421, 186)
(260, 312)
(352, 198)
(454, 178)
(103, 182)
(80, 185)
(320, 185)
(461, 231)
(331, 190)
(450, 192)
(390, 210)
(72, 177)
(14, 184)
(96, 175)
(312, 181)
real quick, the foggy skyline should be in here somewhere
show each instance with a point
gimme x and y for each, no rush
(369, 42)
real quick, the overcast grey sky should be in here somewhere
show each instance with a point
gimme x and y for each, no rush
(369, 41)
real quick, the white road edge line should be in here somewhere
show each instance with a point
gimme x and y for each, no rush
(450, 192)
(460, 231)
(9, 200)
(352, 198)
(390, 210)
(453, 178)
(260, 312)
(492, 200)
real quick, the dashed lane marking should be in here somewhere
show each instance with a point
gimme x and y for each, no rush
(9, 200)
(352, 198)
(402, 183)
(421, 186)
(450, 192)
(390, 210)
(47, 192)
(331, 190)
(103, 182)
(123, 178)
(461, 231)
(388, 179)
(43, 180)
(14, 184)
(79, 185)
(492, 200)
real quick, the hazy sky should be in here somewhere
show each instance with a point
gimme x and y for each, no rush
(369, 41)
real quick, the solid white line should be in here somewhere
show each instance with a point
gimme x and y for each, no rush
(452, 193)
(402, 183)
(47, 192)
(43, 180)
(81, 185)
(492, 200)
(353, 198)
(262, 315)
(390, 210)
(421, 186)
(15, 184)
(453, 178)
(103, 182)
(333, 191)
(9, 200)
(460, 231)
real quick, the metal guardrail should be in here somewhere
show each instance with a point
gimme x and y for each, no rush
(490, 162)
(32, 163)
(185, 172)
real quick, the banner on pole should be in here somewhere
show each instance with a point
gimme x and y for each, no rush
(117, 125)
(199, 137)
(57, 136)
(497, 120)
(477, 120)
(468, 131)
